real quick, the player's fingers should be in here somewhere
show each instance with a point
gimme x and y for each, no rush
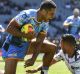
(24, 66)
(27, 65)
(31, 71)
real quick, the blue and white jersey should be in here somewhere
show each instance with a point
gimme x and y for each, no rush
(75, 23)
(73, 63)
(28, 17)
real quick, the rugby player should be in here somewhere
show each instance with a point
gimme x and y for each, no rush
(15, 48)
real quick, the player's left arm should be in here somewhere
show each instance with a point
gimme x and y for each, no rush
(40, 38)
(39, 41)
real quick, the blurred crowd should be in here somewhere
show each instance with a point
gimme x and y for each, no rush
(8, 9)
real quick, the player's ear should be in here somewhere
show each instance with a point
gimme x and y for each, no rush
(43, 11)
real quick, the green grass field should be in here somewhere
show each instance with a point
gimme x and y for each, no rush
(58, 68)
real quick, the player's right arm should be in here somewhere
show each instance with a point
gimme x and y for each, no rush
(14, 26)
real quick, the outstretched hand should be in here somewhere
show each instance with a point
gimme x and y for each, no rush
(28, 63)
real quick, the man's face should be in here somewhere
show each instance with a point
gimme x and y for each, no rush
(66, 47)
(49, 14)
(76, 15)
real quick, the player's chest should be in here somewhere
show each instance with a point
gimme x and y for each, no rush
(38, 26)
(73, 62)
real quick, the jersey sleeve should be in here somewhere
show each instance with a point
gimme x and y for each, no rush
(58, 56)
(68, 20)
(22, 18)
(45, 28)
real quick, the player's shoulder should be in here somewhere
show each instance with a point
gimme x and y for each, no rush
(70, 17)
(30, 12)
(26, 14)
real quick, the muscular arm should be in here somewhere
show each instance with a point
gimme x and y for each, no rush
(39, 41)
(13, 28)
(37, 47)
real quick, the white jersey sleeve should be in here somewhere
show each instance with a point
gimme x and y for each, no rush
(69, 19)
(58, 56)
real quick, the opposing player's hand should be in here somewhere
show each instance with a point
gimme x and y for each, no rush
(28, 63)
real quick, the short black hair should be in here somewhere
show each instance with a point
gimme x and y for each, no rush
(69, 38)
(47, 4)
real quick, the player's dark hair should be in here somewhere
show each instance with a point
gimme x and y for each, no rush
(69, 39)
(47, 4)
